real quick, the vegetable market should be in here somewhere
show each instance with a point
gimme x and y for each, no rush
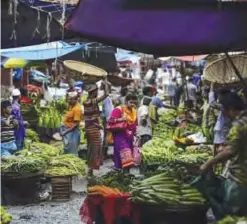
(123, 112)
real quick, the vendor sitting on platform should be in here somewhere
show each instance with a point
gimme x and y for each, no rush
(232, 198)
(8, 124)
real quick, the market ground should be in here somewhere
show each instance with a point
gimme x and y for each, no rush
(58, 212)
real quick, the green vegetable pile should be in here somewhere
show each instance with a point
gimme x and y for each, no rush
(50, 118)
(233, 220)
(158, 151)
(64, 165)
(183, 166)
(163, 189)
(6, 218)
(43, 148)
(115, 179)
(20, 164)
(193, 158)
(200, 149)
(32, 135)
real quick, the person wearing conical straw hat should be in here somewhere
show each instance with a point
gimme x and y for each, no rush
(93, 128)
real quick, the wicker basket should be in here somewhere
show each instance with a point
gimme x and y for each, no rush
(119, 81)
(20, 190)
(222, 72)
(171, 215)
(87, 73)
(61, 188)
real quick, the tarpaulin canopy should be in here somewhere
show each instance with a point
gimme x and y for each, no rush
(127, 57)
(31, 27)
(186, 58)
(164, 32)
(41, 52)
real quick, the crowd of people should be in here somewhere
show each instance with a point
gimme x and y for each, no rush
(133, 114)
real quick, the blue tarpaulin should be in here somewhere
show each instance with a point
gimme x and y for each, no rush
(42, 51)
(124, 55)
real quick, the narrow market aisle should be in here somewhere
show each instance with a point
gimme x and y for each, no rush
(57, 212)
(60, 212)
(48, 212)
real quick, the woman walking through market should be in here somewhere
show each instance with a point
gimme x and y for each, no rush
(70, 128)
(93, 128)
(123, 139)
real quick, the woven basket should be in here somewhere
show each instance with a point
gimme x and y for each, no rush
(171, 215)
(222, 72)
(87, 73)
(119, 81)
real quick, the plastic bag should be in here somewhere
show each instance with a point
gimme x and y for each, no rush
(137, 152)
(126, 158)
(109, 138)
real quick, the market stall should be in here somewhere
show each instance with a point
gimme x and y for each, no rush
(22, 173)
(170, 161)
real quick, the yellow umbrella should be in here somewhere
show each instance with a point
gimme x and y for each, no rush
(20, 63)
(14, 63)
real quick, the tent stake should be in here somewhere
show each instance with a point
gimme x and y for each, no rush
(236, 70)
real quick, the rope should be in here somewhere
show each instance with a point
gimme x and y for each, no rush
(36, 31)
(48, 23)
(13, 11)
(10, 11)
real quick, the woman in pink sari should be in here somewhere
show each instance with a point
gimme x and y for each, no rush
(124, 139)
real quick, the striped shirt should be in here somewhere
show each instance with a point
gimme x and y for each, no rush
(7, 132)
(91, 111)
(237, 140)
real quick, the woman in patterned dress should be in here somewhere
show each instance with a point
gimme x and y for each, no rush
(93, 127)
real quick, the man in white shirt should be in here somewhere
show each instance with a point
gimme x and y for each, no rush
(190, 91)
(172, 91)
(144, 129)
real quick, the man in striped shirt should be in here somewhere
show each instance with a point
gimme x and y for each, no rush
(8, 124)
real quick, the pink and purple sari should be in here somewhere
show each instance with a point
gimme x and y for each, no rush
(122, 139)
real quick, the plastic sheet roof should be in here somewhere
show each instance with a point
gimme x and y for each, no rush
(42, 52)
(163, 31)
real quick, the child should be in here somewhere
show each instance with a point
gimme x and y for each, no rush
(8, 124)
